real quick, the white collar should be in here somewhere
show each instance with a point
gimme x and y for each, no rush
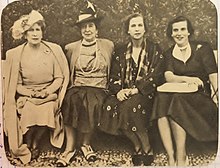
(177, 53)
(88, 43)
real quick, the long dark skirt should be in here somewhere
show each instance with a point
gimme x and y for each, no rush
(196, 113)
(82, 107)
(132, 114)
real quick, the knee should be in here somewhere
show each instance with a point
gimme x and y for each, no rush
(69, 129)
(162, 119)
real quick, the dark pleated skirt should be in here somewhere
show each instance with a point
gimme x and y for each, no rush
(82, 107)
(132, 114)
(194, 112)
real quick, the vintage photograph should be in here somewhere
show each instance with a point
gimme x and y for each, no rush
(117, 83)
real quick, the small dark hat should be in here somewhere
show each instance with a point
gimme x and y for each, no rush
(88, 14)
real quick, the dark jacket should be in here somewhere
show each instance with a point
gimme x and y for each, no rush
(148, 84)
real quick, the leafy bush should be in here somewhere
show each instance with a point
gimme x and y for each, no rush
(60, 16)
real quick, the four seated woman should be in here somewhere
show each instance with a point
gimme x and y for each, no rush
(36, 81)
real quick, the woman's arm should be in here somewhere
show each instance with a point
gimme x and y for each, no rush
(54, 86)
(155, 76)
(40, 93)
(115, 79)
(57, 82)
(24, 91)
(172, 78)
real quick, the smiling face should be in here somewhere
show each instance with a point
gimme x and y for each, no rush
(89, 31)
(34, 34)
(136, 28)
(180, 33)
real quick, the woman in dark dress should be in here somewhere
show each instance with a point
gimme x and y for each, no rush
(192, 113)
(137, 69)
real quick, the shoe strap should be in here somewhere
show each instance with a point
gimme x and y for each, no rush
(63, 162)
(88, 148)
(87, 151)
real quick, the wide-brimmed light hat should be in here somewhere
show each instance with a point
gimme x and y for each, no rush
(24, 23)
(88, 14)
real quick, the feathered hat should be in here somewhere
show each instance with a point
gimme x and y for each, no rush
(88, 14)
(24, 23)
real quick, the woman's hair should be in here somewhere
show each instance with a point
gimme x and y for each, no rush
(134, 15)
(179, 19)
(41, 23)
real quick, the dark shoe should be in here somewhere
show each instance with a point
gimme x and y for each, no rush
(34, 153)
(65, 158)
(147, 159)
(137, 159)
(88, 153)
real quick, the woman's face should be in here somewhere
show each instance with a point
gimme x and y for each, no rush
(89, 31)
(136, 28)
(34, 35)
(180, 33)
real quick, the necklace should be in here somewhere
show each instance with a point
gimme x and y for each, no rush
(95, 63)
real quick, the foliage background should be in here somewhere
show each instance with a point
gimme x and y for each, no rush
(60, 16)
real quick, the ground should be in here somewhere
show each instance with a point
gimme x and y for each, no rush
(116, 151)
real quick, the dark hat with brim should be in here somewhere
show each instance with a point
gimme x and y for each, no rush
(88, 19)
(88, 15)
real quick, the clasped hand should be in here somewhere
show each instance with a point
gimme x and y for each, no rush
(124, 94)
(39, 93)
(195, 80)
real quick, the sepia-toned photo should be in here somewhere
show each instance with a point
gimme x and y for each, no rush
(117, 83)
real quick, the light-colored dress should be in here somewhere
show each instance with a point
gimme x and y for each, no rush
(11, 120)
(38, 72)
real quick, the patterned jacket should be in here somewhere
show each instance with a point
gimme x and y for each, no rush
(150, 79)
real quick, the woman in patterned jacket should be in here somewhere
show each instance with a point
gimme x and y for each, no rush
(137, 69)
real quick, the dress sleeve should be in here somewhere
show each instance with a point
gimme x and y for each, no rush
(168, 61)
(57, 70)
(115, 82)
(208, 58)
(21, 89)
(58, 78)
(155, 76)
(19, 78)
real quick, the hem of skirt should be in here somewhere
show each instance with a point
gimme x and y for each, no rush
(78, 129)
(24, 130)
(206, 139)
(189, 133)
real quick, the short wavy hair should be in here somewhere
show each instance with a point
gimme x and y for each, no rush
(134, 15)
(176, 20)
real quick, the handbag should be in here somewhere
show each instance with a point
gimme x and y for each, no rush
(178, 88)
